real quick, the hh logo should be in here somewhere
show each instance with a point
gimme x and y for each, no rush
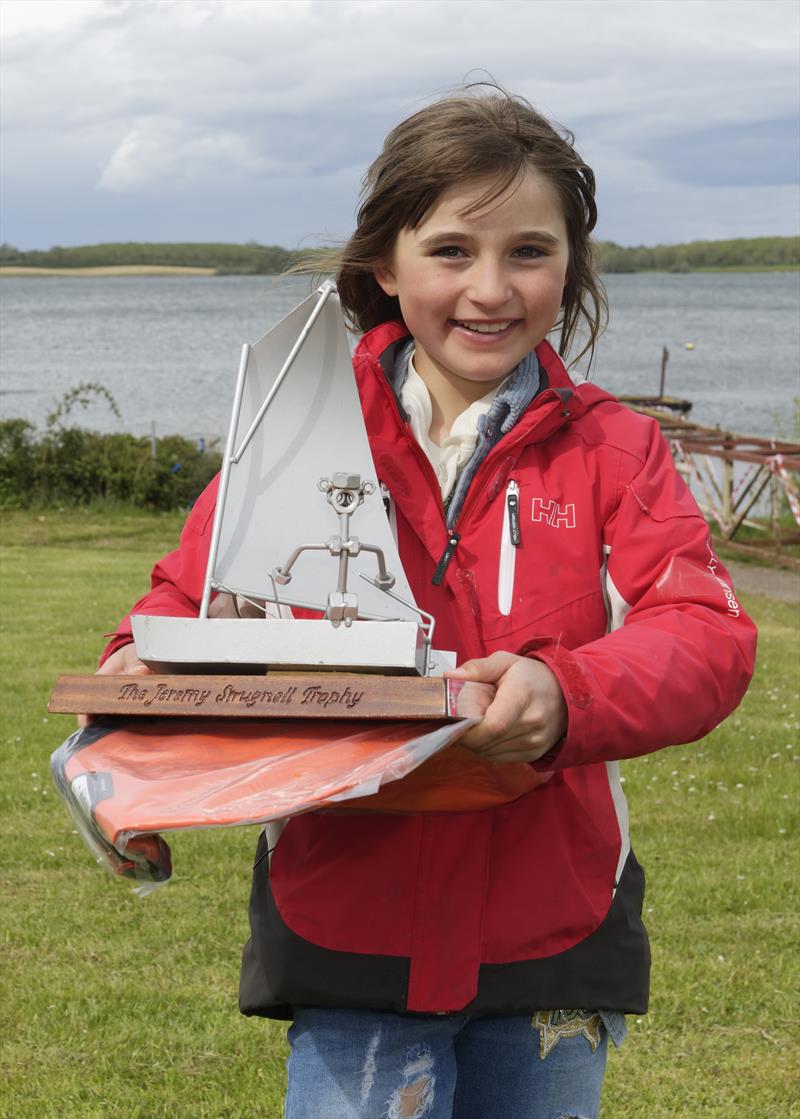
(560, 516)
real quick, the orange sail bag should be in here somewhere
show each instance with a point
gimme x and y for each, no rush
(125, 782)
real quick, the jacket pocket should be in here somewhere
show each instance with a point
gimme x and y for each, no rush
(509, 543)
(574, 623)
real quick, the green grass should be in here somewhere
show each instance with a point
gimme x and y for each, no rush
(761, 547)
(123, 1008)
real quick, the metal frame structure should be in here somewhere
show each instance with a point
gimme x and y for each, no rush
(732, 473)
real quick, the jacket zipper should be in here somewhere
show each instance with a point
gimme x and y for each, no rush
(509, 542)
(447, 555)
(453, 537)
(508, 443)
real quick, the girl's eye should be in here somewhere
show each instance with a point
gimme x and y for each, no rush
(528, 252)
(449, 252)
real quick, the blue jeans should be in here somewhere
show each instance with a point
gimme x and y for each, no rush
(363, 1064)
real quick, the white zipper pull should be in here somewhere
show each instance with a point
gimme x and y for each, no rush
(510, 540)
(512, 506)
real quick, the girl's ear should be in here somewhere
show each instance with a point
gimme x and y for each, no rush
(385, 278)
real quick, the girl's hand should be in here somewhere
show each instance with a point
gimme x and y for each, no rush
(122, 663)
(528, 715)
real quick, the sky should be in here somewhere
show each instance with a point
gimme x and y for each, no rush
(237, 120)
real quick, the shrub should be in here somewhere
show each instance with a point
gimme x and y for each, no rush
(74, 466)
(18, 452)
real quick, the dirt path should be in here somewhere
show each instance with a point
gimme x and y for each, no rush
(773, 582)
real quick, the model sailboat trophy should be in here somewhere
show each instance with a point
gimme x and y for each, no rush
(300, 522)
(247, 713)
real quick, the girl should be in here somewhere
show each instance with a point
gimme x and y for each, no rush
(473, 964)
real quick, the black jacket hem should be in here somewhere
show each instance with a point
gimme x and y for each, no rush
(609, 969)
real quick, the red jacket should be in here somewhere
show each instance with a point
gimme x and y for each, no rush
(615, 586)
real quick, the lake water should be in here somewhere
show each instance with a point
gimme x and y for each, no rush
(167, 348)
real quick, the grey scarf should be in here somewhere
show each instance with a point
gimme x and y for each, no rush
(507, 407)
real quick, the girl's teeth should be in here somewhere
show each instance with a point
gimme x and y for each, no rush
(486, 327)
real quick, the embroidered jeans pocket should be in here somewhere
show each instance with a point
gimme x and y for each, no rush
(553, 1025)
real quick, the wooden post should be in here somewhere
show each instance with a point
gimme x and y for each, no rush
(664, 360)
(774, 512)
(727, 494)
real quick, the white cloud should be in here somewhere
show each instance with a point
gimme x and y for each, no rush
(158, 152)
(39, 16)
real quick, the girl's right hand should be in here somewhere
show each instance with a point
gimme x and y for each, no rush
(122, 663)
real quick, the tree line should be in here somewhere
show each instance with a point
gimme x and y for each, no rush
(248, 259)
(255, 259)
(741, 252)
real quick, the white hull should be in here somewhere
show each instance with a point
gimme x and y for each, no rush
(223, 644)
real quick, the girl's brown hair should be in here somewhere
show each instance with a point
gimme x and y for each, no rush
(471, 135)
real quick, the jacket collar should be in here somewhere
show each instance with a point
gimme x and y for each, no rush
(379, 346)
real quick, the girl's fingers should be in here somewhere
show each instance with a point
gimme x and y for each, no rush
(123, 662)
(500, 721)
(515, 742)
(523, 753)
(527, 715)
(516, 747)
(486, 670)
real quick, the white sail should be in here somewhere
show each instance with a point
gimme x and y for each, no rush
(312, 428)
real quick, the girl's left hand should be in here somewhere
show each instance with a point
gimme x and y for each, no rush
(527, 716)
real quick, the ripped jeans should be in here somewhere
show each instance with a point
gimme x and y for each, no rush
(363, 1064)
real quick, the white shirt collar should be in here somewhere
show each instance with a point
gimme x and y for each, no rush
(448, 458)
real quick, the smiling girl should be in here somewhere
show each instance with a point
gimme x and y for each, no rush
(472, 964)
(479, 286)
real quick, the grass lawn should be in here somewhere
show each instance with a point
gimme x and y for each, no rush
(123, 1008)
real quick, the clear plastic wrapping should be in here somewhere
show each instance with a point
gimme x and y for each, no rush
(126, 781)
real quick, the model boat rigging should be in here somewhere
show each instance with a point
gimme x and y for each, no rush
(296, 415)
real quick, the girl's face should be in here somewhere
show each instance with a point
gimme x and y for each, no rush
(478, 291)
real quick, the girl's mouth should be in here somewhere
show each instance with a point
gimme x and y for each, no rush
(483, 330)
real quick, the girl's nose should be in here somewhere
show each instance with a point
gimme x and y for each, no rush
(489, 284)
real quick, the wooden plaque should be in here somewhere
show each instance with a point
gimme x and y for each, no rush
(296, 695)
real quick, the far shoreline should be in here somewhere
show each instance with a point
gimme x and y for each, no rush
(106, 271)
(109, 270)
